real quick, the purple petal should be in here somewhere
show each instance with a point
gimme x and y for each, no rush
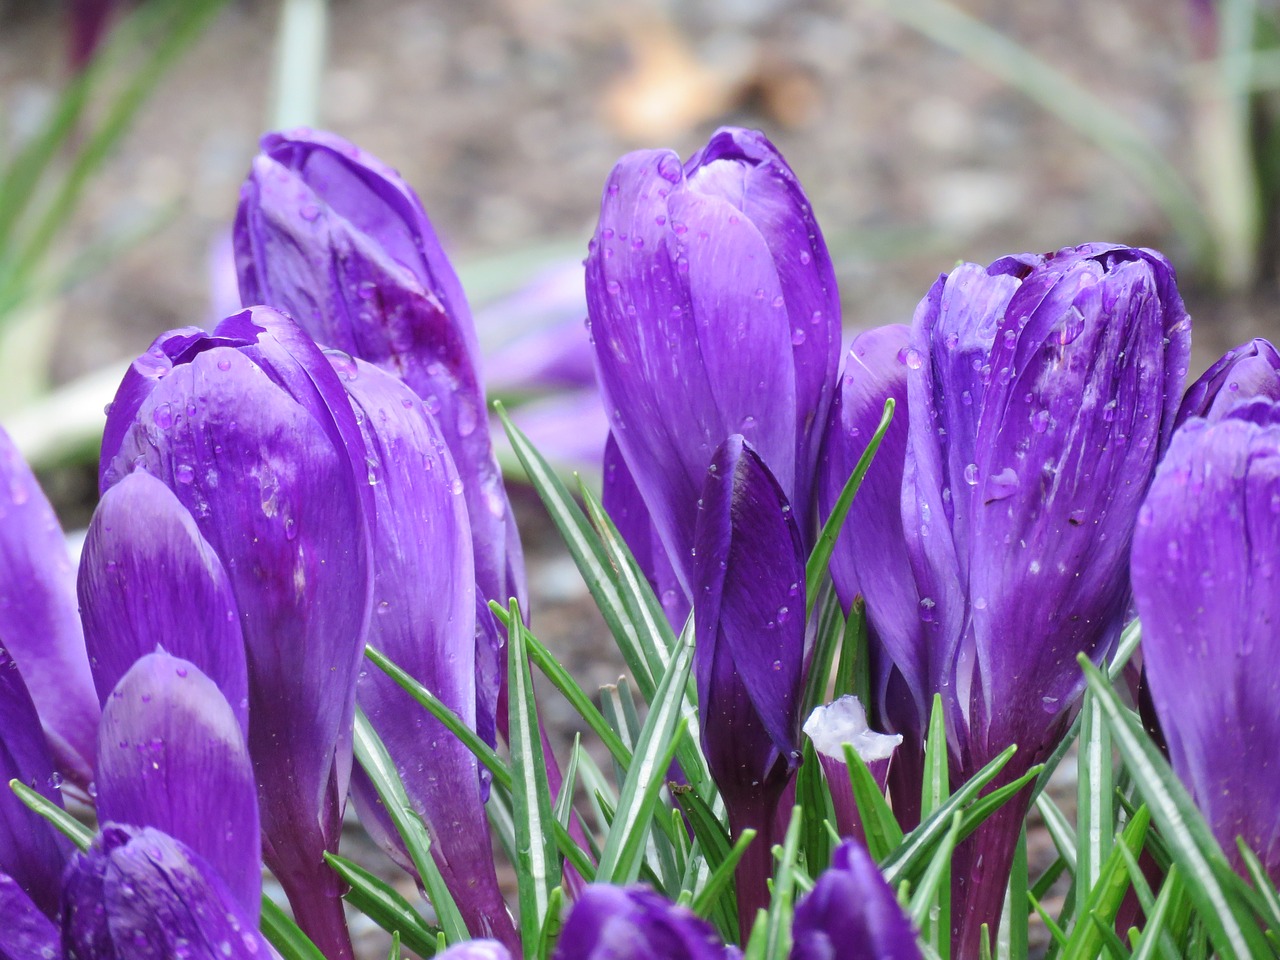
(634, 923)
(1248, 371)
(424, 600)
(761, 184)
(476, 950)
(139, 894)
(851, 912)
(256, 448)
(27, 932)
(31, 852)
(622, 501)
(870, 557)
(171, 755)
(38, 620)
(1204, 560)
(148, 579)
(335, 238)
(749, 615)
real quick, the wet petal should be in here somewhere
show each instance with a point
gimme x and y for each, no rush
(171, 755)
(1204, 569)
(334, 237)
(138, 894)
(749, 613)
(870, 558)
(148, 579)
(248, 417)
(38, 620)
(27, 932)
(424, 620)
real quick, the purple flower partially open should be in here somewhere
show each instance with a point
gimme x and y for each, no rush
(714, 312)
(1041, 391)
(251, 430)
(749, 617)
(851, 912)
(634, 923)
(1204, 568)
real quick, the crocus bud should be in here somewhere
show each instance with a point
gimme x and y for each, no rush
(634, 923)
(830, 728)
(335, 238)
(1041, 392)
(1205, 557)
(250, 428)
(1248, 371)
(424, 595)
(749, 617)
(851, 912)
(39, 625)
(714, 312)
(138, 894)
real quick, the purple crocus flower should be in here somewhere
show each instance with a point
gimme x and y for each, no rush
(1203, 568)
(832, 726)
(749, 621)
(1041, 391)
(851, 912)
(634, 923)
(714, 312)
(1248, 371)
(38, 620)
(334, 237)
(425, 621)
(251, 430)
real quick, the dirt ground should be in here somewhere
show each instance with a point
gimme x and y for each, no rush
(506, 115)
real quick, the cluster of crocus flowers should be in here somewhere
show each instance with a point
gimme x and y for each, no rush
(316, 475)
